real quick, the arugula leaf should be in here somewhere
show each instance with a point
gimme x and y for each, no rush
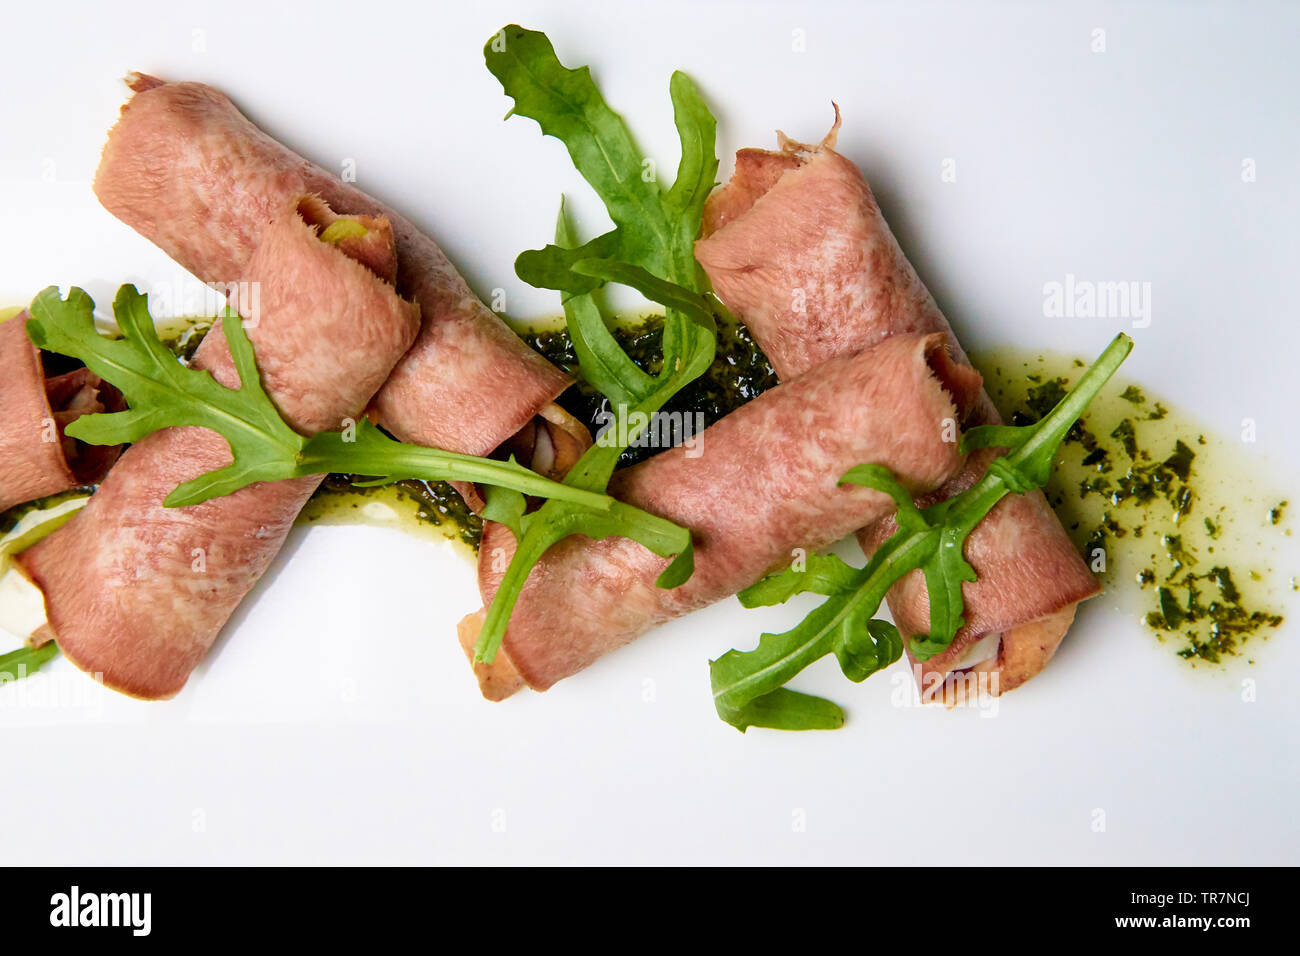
(863, 652)
(601, 360)
(747, 685)
(942, 561)
(162, 392)
(651, 229)
(785, 709)
(25, 661)
(152, 381)
(697, 130)
(738, 678)
(651, 249)
(505, 506)
(821, 574)
(690, 335)
(686, 355)
(545, 527)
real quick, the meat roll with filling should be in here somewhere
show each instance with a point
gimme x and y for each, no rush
(189, 172)
(138, 592)
(36, 457)
(796, 246)
(764, 484)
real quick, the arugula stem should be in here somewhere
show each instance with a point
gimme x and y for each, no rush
(528, 552)
(25, 661)
(1050, 431)
(328, 453)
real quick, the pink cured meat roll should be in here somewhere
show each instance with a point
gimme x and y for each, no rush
(764, 484)
(189, 172)
(138, 592)
(36, 458)
(795, 244)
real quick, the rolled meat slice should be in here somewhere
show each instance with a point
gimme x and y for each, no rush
(36, 457)
(189, 172)
(796, 246)
(763, 484)
(138, 592)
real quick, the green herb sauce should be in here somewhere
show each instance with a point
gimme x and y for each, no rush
(182, 336)
(410, 505)
(1149, 498)
(739, 372)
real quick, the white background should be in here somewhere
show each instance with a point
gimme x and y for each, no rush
(337, 721)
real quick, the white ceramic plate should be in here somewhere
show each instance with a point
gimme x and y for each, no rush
(337, 721)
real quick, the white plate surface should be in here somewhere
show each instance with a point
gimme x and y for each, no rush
(337, 721)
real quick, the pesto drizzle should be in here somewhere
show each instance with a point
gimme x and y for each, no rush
(1150, 493)
(739, 373)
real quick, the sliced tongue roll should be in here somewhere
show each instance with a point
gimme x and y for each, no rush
(189, 172)
(138, 592)
(758, 484)
(796, 246)
(36, 457)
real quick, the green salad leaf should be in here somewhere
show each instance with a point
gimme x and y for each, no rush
(652, 228)
(162, 392)
(749, 686)
(650, 250)
(601, 360)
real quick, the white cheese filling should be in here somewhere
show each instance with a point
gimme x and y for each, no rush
(22, 605)
(986, 648)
